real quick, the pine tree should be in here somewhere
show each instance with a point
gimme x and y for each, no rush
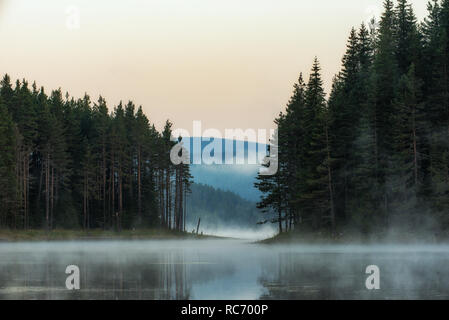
(24, 114)
(317, 197)
(119, 162)
(291, 138)
(167, 172)
(272, 199)
(102, 122)
(347, 96)
(406, 37)
(386, 72)
(140, 137)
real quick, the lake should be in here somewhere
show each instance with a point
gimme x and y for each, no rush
(221, 269)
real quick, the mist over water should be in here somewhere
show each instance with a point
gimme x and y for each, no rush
(236, 232)
(221, 269)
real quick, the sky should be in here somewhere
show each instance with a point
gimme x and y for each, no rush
(228, 63)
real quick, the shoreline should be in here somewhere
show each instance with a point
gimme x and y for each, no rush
(310, 238)
(35, 235)
(290, 238)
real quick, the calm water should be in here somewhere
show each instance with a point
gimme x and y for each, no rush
(220, 269)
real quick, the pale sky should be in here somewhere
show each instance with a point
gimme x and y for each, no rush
(229, 63)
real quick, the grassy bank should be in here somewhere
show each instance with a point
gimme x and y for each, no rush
(96, 234)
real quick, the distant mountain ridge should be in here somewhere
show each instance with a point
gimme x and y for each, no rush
(238, 178)
(219, 207)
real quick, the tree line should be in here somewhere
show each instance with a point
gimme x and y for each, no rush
(374, 154)
(69, 163)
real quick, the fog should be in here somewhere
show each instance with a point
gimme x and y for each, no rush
(221, 269)
(236, 232)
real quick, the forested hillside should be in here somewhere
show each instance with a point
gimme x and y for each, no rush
(217, 208)
(375, 153)
(236, 178)
(70, 163)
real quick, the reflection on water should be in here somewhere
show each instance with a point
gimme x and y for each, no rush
(421, 274)
(220, 269)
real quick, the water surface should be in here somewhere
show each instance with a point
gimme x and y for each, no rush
(221, 269)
